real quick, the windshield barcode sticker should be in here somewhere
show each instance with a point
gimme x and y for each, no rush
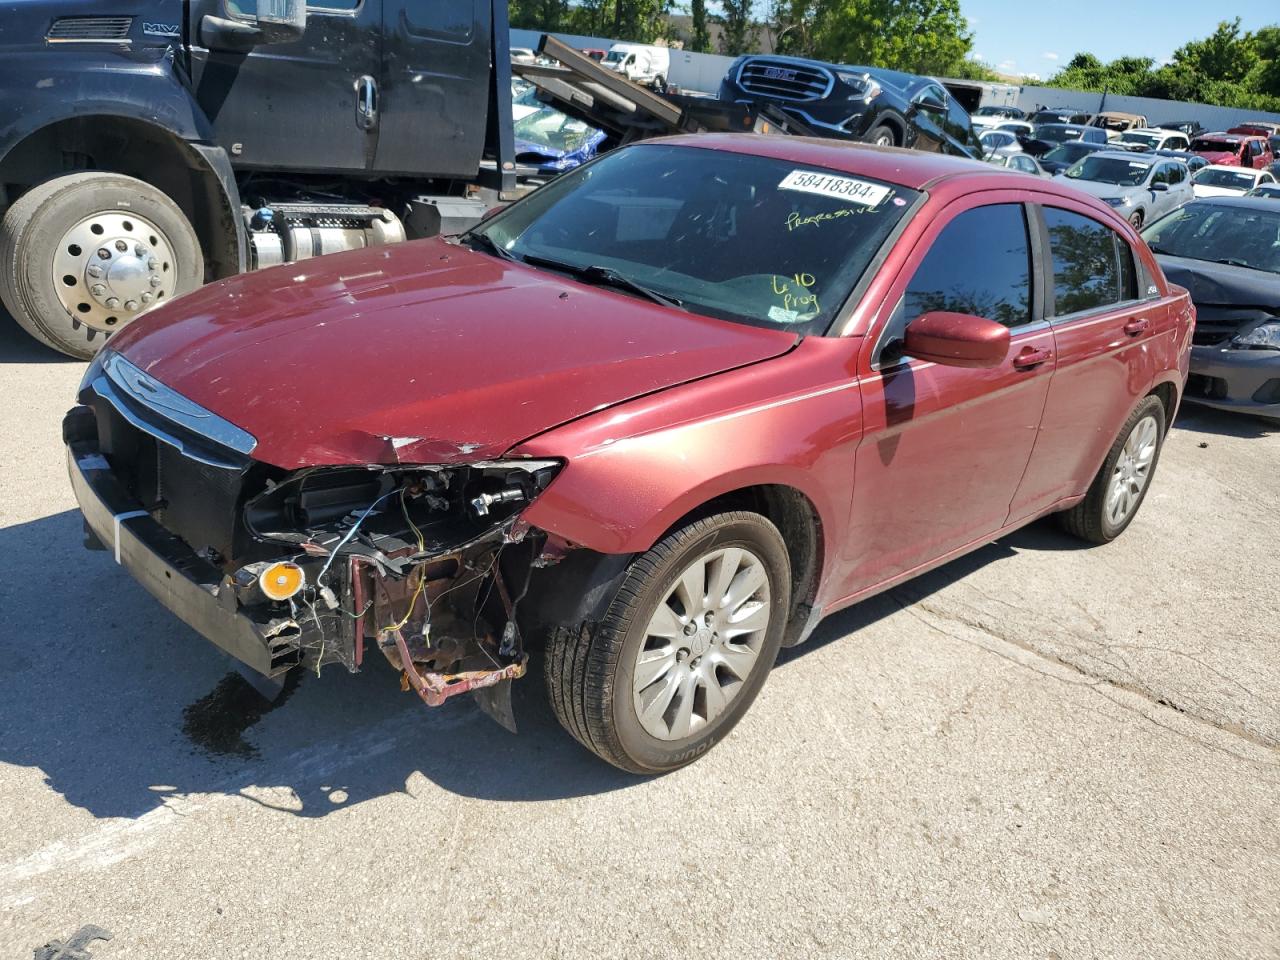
(841, 188)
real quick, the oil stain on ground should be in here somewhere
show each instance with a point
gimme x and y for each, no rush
(217, 721)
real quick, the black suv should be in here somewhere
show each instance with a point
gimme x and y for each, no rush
(884, 107)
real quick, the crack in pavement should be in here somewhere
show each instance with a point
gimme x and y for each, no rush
(1095, 684)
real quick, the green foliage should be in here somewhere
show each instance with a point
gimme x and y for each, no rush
(741, 33)
(1230, 67)
(700, 42)
(921, 36)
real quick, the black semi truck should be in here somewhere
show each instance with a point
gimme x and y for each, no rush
(150, 146)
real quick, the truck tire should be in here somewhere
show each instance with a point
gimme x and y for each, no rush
(84, 254)
(683, 648)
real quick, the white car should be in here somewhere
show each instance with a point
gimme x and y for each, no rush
(1150, 138)
(1217, 180)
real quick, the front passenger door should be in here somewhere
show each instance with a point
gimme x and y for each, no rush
(944, 448)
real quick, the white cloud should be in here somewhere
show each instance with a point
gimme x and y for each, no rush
(1006, 65)
(974, 55)
(1029, 76)
(972, 22)
(1049, 56)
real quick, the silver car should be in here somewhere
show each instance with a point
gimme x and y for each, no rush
(999, 143)
(1140, 186)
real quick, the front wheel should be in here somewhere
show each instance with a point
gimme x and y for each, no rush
(1137, 219)
(84, 254)
(1124, 478)
(882, 136)
(683, 649)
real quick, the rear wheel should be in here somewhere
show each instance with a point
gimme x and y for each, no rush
(683, 649)
(1137, 219)
(1122, 483)
(84, 254)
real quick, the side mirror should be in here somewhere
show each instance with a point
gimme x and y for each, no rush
(1159, 188)
(957, 339)
(273, 21)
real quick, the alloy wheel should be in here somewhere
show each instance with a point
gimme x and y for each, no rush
(1132, 470)
(702, 642)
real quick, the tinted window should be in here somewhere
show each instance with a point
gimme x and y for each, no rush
(1092, 265)
(1245, 236)
(1176, 172)
(979, 264)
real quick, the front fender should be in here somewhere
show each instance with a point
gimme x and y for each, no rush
(633, 471)
(43, 88)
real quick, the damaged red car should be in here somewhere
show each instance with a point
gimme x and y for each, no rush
(656, 420)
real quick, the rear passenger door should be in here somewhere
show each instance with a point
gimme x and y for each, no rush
(944, 448)
(1180, 190)
(1104, 311)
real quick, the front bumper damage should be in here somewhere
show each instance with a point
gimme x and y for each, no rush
(1241, 381)
(427, 564)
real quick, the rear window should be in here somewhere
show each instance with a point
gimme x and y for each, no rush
(1214, 146)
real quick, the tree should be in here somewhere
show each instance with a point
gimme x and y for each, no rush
(920, 36)
(740, 32)
(700, 42)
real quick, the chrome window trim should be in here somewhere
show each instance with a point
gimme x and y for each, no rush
(124, 385)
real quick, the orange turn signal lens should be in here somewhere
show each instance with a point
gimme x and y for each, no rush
(282, 580)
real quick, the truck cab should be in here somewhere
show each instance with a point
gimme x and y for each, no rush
(640, 63)
(150, 146)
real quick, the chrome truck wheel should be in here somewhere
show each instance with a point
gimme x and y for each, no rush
(110, 267)
(84, 254)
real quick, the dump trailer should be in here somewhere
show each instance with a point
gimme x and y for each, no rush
(150, 146)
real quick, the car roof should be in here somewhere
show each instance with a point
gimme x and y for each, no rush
(1158, 131)
(1231, 168)
(1223, 135)
(913, 169)
(1144, 158)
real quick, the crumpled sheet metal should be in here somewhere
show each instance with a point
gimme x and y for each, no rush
(436, 688)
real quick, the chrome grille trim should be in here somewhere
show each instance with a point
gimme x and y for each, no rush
(793, 82)
(127, 388)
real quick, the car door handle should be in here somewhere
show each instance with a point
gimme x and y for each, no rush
(1136, 326)
(366, 103)
(1031, 357)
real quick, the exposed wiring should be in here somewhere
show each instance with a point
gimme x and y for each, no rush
(351, 533)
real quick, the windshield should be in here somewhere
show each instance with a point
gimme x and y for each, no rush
(1203, 145)
(1123, 173)
(553, 130)
(1219, 233)
(746, 238)
(615, 56)
(1055, 134)
(1067, 153)
(1240, 180)
(1151, 140)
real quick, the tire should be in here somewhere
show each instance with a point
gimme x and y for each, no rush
(1092, 518)
(1137, 219)
(659, 84)
(48, 258)
(591, 669)
(882, 135)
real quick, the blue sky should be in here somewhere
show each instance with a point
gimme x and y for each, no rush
(1039, 36)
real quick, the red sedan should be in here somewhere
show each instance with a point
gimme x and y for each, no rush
(657, 419)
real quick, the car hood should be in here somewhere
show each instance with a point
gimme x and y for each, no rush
(1207, 191)
(422, 352)
(1223, 284)
(1219, 157)
(1102, 190)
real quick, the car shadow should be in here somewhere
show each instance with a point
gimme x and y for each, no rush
(122, 707)
(1224, 423)
(18, 346)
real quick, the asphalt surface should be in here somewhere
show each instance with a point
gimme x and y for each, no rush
(1039, 751)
